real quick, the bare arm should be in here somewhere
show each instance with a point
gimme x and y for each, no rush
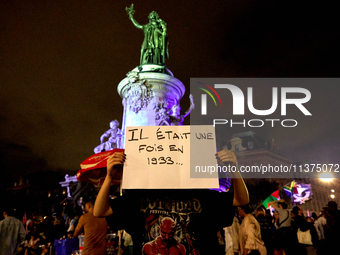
(102, 206)
(241, 196)
(80, 227)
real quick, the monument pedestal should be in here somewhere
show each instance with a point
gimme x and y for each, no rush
(150, 96)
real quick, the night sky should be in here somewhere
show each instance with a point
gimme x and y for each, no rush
(61, 62)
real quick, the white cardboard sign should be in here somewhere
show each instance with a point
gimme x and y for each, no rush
(158, 157)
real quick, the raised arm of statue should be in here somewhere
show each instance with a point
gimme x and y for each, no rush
(130, 11)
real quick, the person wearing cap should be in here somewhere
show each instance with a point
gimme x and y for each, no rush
(94, 229)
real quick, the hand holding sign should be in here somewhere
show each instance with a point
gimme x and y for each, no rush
(226, 156)
(115, 166)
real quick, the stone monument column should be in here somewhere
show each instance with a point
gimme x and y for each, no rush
(150, 97)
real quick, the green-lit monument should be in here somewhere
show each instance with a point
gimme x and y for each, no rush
(150, 93)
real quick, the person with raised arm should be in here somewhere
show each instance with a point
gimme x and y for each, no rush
(196, 214)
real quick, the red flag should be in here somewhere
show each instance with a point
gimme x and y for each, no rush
(276, 194)
(93, 169)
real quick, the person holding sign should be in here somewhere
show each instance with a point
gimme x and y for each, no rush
(171, 221)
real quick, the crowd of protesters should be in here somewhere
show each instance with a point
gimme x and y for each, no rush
(284, 231)
(34, 235)
(277, 231)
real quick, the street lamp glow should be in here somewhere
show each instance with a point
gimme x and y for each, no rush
(326, 177)
(332, 196)
(332, 190)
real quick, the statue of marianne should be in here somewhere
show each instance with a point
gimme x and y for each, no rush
(155, 45)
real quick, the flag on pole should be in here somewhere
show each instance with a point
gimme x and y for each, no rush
(267, 200)
(273, 197)
(289, 188)
(303, 194)
(276, 194)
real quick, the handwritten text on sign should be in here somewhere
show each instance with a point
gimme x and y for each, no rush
(161, 136)
(159, 157)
